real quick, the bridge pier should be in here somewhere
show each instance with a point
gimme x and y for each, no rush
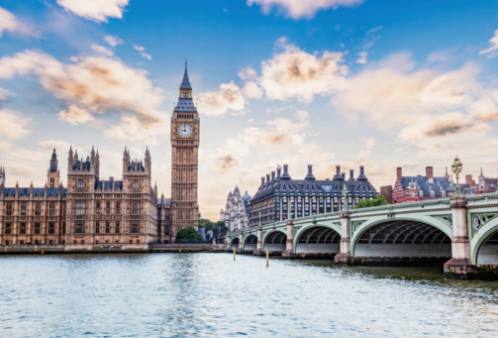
(460, 264)
(345, 255)
(259, 246)
(289, 244)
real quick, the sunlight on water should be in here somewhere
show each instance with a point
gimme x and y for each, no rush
(210, 295)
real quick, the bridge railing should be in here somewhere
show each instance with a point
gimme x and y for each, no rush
(472, 200)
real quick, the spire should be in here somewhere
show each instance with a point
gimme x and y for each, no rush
(185, 82)
(53, 162)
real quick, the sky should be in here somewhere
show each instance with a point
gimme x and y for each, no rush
(324, 82)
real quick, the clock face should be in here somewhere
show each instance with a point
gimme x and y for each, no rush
(184, 130)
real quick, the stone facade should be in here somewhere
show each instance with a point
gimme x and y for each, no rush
(92, 213)
(280, 197)
(236, 212)
(185, 129)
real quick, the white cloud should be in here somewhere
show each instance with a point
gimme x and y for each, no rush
(75, 115)
(297, 9)
(492, 50)
(141, 50)
(95, 84)
(113, 41)
(102, 50)
(229, 97)
(13, 125)
(8, 22)
(96, 10)
(362, 58)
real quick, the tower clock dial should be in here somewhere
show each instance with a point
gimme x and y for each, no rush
(184, 130)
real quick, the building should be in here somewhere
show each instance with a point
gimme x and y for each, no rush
(421, 187)
(486, 184)
(279, 197)
(387, 192)
(185, 128)
(93, 213)
(236, 212)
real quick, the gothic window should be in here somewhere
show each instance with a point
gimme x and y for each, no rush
(107, 207)
(8, 209)
(117, 227)
(97, 207)
(80, 185)
(80, 208)
(79, 228)
(8, 228)
(22, 228)
(97, 227)
(24, 208)
(135, 186)
(52, 182)
(37, 228)
(134, 228)
(118, 208)
(107, 227)
(37, 208)
(51, 208)
(51, 228)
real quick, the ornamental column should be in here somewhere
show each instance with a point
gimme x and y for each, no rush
(459, 264)
(344, 256)
(289, 244)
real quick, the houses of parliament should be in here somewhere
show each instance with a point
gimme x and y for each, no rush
(91, 213)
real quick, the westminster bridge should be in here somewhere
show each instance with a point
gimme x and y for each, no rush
(463, 230)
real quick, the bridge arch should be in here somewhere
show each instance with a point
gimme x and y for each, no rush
(235, 243)
(317, 240)
(250, 242)
(274, 241)
(484, 244)
(401, 238)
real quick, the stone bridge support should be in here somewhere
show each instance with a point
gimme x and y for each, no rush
(460, 263)
(345, 256)
(289, 244)
(259, 244)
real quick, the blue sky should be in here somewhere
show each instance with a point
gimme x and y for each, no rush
(327, 82)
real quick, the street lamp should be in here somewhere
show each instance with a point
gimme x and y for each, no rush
(456, 168)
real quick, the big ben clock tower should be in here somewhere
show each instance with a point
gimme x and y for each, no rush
(184, 160)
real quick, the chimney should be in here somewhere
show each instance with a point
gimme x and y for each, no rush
(267, 178)
(351, 174)
(399, 173)
(273, 175)
(429, 173)
(262, 180)
(338, 170)
(310, 176)
(362, 176)
(279, 172)
(285, 175)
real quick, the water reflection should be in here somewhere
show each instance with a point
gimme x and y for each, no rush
(209, 295)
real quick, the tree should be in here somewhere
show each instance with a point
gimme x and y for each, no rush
(188, 235)
(372, 202)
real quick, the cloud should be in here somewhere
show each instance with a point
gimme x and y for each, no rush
(362, 58)
(96, 84)
(492, 50)
(13, 126)
(96, 10)
(143, 53)
(421, 106)
(297, 9)
(9, 23)
(113, 41)
(229, 97)
(294, 73)
(58, 144)
(75, 115)
(4, 94)
(102, 50)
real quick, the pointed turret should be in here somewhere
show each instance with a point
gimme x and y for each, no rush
(185, 102)
(53, 162)
(185, 82)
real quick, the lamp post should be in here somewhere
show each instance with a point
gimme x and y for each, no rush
(456, 168)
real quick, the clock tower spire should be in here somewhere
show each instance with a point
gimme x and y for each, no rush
(185, 128)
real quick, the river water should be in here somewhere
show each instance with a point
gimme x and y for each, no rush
(210, 295)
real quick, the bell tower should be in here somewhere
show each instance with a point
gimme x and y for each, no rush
(184, 160)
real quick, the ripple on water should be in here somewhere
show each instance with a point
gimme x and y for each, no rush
(209, 295)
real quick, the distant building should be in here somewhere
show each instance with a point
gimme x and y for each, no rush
(280, 197)
(387, 192)
(486, 184)
(236, 212)
(421, 187)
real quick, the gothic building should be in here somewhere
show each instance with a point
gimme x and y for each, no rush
(236, 212)
(93, 213)
(280, 197)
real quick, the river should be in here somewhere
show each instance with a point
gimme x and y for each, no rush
(211, 295)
